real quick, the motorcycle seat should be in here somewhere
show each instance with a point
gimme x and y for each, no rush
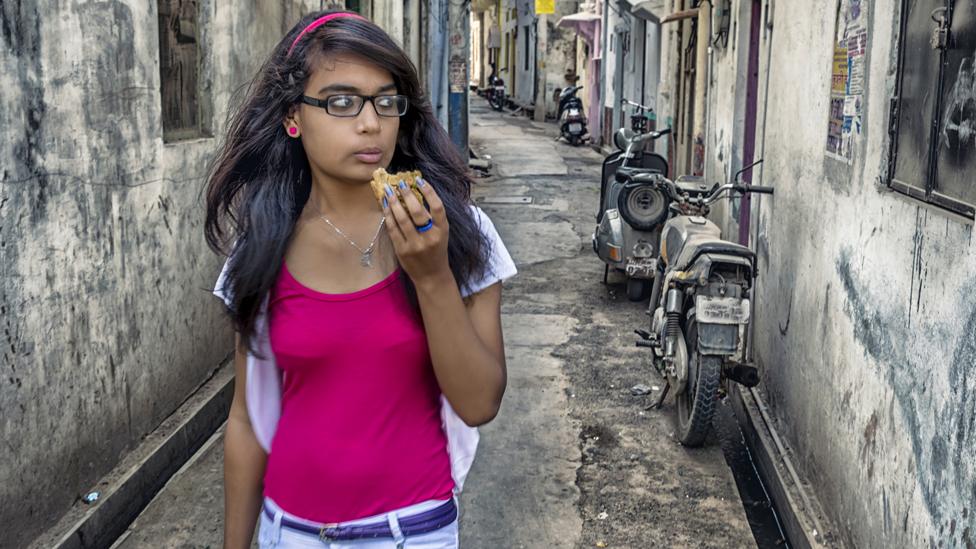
(692, 250)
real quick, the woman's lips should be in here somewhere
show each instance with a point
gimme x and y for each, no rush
(369, 156)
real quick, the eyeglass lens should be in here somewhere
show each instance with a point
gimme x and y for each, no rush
(351, 105)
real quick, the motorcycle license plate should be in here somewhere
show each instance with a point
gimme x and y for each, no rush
(500, 88)
(721, 310)
(575, 127)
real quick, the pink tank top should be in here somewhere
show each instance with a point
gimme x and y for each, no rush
(360, 430)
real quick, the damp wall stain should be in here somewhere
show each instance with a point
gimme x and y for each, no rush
(106, 319)
(939, 425)
(865, 299)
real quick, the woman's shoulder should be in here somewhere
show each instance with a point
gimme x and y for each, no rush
(499, 265)
(482, 220)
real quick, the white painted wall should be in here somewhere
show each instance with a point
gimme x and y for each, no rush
(866, 300)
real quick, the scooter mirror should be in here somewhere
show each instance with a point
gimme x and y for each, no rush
(622, 138)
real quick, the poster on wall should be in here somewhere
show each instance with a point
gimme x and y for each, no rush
(834, 126)
(847, 81)
(543, 7)
(458, 71)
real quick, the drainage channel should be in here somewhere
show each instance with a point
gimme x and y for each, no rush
(758, 505)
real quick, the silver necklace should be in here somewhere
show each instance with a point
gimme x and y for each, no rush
(366, 256)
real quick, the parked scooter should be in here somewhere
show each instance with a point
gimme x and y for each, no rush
(700, 303)
(572, 122)
(495, 92)
(631, 212)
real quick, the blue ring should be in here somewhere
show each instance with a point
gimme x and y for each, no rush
(427, 227)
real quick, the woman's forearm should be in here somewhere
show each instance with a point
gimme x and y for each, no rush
(469, 374)
(244, 463)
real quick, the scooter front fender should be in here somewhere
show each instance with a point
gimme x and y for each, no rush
(608, 240)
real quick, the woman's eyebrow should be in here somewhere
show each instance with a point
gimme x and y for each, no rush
(353, 89)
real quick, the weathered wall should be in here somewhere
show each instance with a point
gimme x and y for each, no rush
(558, 59)
(525, 48)
(726, 114)
(613, 90)
(107, 319)
(866, 304)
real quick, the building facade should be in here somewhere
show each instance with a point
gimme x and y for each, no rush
(111, 113)
(865, 321)
(865, 335)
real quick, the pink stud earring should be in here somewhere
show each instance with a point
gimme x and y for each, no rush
(293, 131)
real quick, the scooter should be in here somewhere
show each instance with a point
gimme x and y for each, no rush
(700, 303)
(495, 92)
(572, 122)
(631, 212)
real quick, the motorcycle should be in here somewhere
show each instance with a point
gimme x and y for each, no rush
(631, 212)
(700, 302)
(495, 92)
(572, 122)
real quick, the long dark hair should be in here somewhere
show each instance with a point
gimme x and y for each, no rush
(260, 180)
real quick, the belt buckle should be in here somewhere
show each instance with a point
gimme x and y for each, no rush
(323, 536)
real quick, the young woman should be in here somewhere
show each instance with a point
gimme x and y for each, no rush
(369, 340)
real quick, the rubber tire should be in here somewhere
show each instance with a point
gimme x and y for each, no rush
(496, 102)
(696, 406)
(638, 289)
(624, 207)
(574, 140)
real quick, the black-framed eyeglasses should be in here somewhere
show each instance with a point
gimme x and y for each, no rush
(350, 105)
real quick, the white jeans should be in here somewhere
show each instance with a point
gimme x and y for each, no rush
(271, 535)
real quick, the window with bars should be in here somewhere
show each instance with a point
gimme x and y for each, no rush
(933, 114)
(180, 62)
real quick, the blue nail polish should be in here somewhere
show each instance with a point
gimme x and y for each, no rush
(389, 190)
(403, 185)
(386, 203)
(421, 182)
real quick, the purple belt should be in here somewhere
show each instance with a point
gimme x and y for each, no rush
(413, 525)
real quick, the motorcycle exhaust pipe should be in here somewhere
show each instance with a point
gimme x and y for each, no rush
(742, 374)
(672, 328)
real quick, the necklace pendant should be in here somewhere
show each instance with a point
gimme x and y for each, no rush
(367, 259)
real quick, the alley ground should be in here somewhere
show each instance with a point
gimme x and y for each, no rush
(573, 460)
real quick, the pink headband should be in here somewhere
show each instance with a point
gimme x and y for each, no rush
(321, 21)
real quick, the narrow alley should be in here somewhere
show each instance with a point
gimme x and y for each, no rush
(797, 175)
(573, 459)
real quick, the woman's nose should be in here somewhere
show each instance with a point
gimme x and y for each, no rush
(368, 119)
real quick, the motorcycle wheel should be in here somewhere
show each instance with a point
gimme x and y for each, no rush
(643, 207)
(574, 140)
(496, 102)
(696, 405)
(638, 289)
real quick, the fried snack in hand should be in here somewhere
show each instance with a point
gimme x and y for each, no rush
(381, 178)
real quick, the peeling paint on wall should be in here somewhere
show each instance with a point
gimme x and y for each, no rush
(106, 317)
(939, 426)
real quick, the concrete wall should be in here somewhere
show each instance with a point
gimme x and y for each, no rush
(611, 96)
(557, 59)
(108, 322)
(390, 16)
(633, 66)
(581, 67)
(525, 48)
(726, 114)
(866, 300)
